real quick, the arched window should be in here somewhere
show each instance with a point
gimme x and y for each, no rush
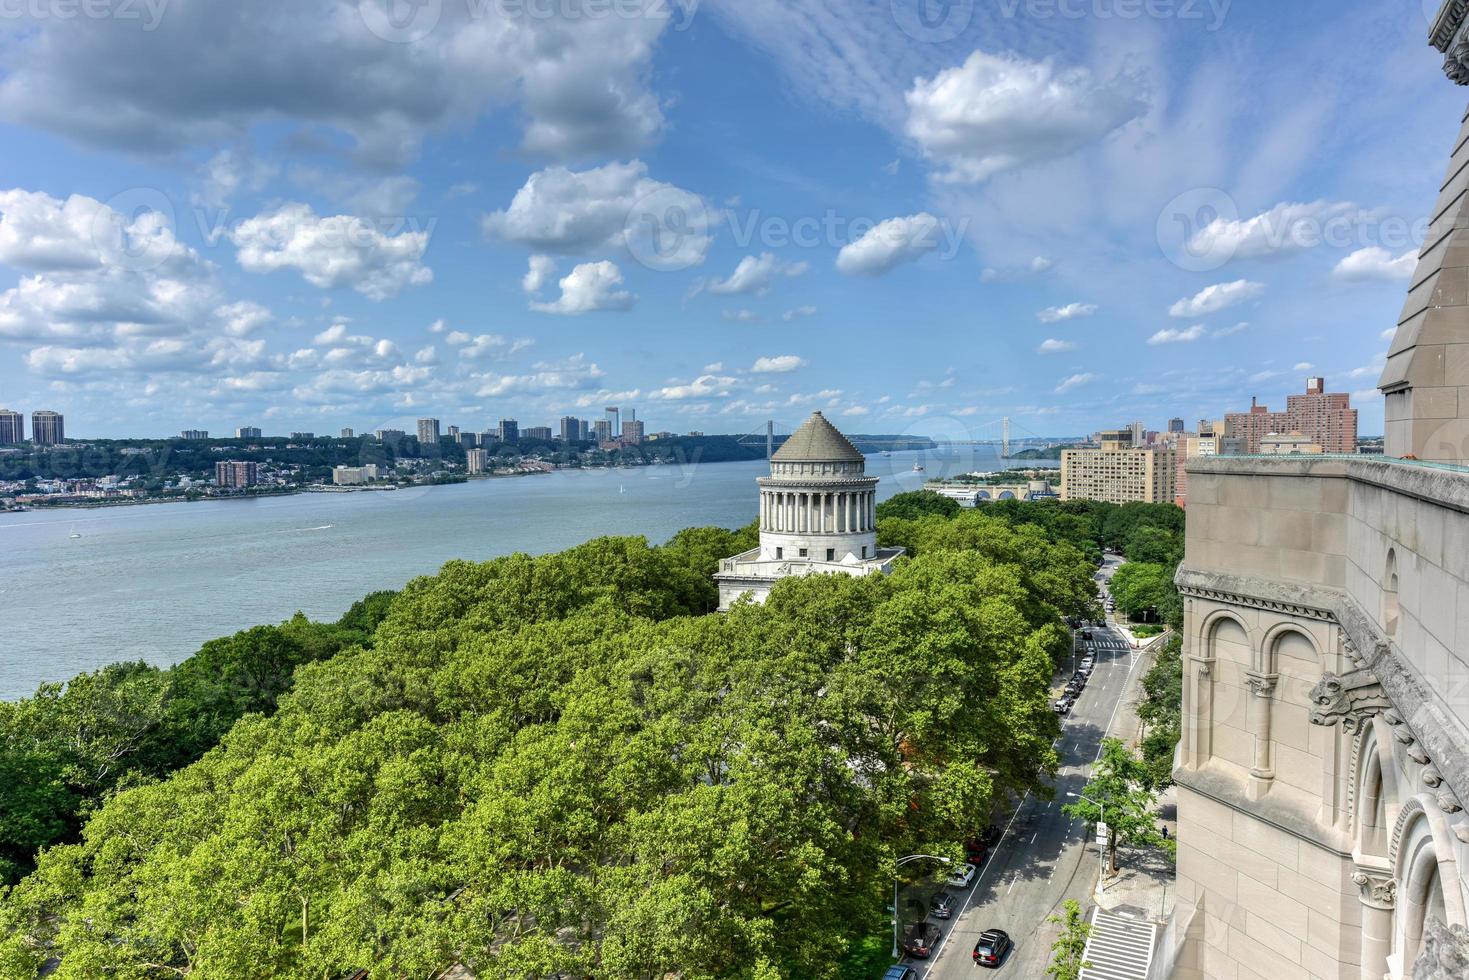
(1390, 594)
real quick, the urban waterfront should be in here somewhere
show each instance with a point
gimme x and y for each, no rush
(154, 582)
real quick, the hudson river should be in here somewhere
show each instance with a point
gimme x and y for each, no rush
(154, 582)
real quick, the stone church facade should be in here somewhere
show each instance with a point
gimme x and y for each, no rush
(1323, 771)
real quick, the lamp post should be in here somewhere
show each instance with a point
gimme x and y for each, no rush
(898, 864)
(1101, 844)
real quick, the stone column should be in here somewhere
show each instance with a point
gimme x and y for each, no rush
(1262, 691)
(1378, 894)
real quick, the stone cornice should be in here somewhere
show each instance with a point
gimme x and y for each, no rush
(1440, 485)
(1281, 597)
(1447, 24)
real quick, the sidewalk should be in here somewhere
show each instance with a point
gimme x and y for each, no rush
(1145, 877)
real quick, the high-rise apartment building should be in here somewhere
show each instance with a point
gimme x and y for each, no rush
(614, 420)
(570, 428)
(1175, 425)
(604, 431)
(476, 460)
(468, 439)
(1326, 417)
(632, 433)
(509, 430)
(428, 432)
(583, 430)
(390, 437)
(247, 432)
(538, 433)
(302, 436)
(12, 427)
(1117, 473)
(347, 434)
(236, 475)
(48, 428)
(453, 433)
(194, 435)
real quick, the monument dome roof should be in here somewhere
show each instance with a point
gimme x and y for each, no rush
(817, 441)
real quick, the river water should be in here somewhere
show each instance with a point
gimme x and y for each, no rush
(154, 582)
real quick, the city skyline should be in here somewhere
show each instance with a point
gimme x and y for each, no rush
(323, 268)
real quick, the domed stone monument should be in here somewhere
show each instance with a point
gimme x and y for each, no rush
(817, 516)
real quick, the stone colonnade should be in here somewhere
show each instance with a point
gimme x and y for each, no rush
(812, 512)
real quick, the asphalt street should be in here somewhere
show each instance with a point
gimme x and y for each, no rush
(1042, 858)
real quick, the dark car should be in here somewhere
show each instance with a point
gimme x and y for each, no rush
(920, 939)
(941, 906)
(900, 972)
(975, 851)
(992, 947)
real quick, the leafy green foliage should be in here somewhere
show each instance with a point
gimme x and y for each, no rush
(1142, 589)
(918, 503)
(559, 765)
(1161, 710)
(1121, 796)
(1069, 949)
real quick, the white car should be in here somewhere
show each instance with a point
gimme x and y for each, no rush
(961, 877)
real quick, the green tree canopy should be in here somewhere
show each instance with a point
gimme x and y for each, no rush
(1119, 794)
(918, 503)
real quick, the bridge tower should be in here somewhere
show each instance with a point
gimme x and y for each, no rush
(769, 438)
(1005, 438)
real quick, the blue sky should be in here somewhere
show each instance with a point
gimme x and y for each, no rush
(916, 215)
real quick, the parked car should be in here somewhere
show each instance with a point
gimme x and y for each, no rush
(1062, 705)
(920, 938)
(975, 851)
(941, 906)
(961, 877)
(900, 972)
(992, 947)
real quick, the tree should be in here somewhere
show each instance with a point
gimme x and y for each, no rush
(1154, 545)
(1161, 712)
(1069, 949)
(918, 503)
(1120, 796)
(1140, 588)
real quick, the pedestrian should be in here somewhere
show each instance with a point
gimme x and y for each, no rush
(1165, 831)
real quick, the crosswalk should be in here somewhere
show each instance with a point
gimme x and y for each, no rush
(1120, 946)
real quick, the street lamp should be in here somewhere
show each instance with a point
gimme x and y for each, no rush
(898, 864)
(1101, 844)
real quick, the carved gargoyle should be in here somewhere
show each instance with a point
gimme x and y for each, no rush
(1445, 953)
(1350, 698)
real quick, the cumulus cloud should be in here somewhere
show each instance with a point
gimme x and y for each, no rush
(704, 386)
(590, 287)
(1075, 381)
(798, 313)
(335, 252)
(1051, 346)
(1000, 112)
(580, 82)
(1287, 227)
(1376, 263)
(542, 268)
(890, 244)
(617, 206)
(1212, 299)
(755, 274)
(1071, 311)
(782, 364)
(1171, 335)
(486, 346)
(571, 374)
(242, 318)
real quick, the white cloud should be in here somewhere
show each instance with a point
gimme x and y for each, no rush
(1304, 366)
(1388, 334)
(616, 206)
(999, 112)
(715, 368)
(242, 318)
(742, 316)
(1075, 381)
(332, 252)
(1034, 267)
(591, 287)
(755, 274)
(542, 268)
(581, 82)
(799, 312)
(572, 374)
(1071, 311)
(889, 244)
(1285, 228)
(1212, 299)
(1173, 335)
(1229, 331)
(1376, 263)
(705, 386)
(486, 346)
(783, 364)
(1051, 346)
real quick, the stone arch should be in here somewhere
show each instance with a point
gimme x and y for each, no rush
(1210, 626)
(1007, 495)
(1267, 658)
(984, 495)
(1375, 790)
(1390, 609)
(1427, 876)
